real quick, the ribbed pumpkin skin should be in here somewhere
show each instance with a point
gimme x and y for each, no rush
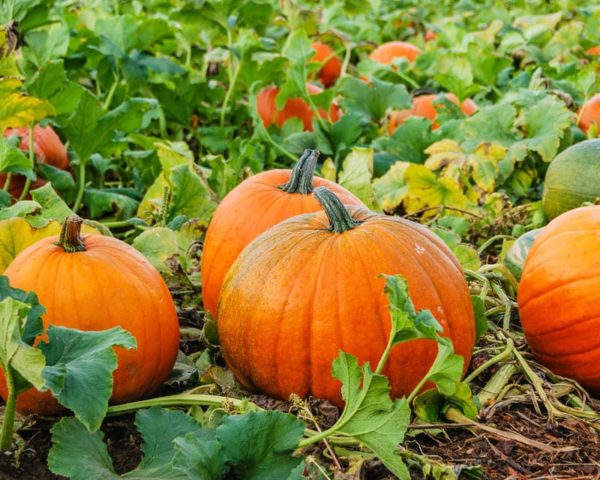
(572, 178)
(558, 296)
(299, 293)
(248, 210)
(110, 284)
(387, 52)
(266, 107)
(330, 71)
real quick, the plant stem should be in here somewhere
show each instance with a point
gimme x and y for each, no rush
(301, 178)
(340, 219)
(497, 382)
(111, 92)
(7, 182)
(9, 411)
(230, 91)
(492, 361)
(491, 240)
(81, 186)
(32, 160)
(70, 235)
(177, 400)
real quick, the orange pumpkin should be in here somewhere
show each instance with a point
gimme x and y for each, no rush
(95, 283)
(293, 108)
(423, 106)
(594, 50)
(48, 149)
(387, 52)
(254, 206)
(558, 303)
(332, 65)
(310, 286)
(590, 113)
(430, 35)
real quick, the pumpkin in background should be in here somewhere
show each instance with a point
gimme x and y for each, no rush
(422, 106)
(430, 35)
(48, 148)
(572, 178)
(293, 108)
(254, 206)
(95, 283)
(332, 66)
(558, 296)
(310, 286)
(590, 114)
(594, 50)
(386, 53)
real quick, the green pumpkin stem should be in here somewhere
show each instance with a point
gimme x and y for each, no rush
(301, 180)
(70, 236)
(339, 217)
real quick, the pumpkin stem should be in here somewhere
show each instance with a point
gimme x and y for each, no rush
(301, 180)
(70, 236)
(339, 217)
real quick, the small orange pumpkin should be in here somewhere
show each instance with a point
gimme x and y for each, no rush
(310, 286)
(48, 148)
(423, 106)
(332, 65)
(386, 53)
(558, 303)
(590, 113)
(594, 50)
(293, 108)
(95, 283)
(254, 206)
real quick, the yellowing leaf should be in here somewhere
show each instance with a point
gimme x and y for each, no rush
(426, 190)
(18, 110)
(356, 175)
(16, 234)
(443, 153)
(391, 188)
(328, 170)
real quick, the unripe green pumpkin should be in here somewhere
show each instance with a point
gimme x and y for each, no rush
(572, 178)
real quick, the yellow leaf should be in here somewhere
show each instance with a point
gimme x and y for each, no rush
(329, 171)
(16, 235)
(18, 110)
(443, 153)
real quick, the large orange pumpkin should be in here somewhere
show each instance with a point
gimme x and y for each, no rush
(293, 108)
(254, 206)
(386, 53)
(95, 283)
(332, 65)
(558, 296)
(590, 113)
(423, 106)
(310, 286)
(48, 149)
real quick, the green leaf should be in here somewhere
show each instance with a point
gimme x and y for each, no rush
(410, 140)
(16, 354)
(158, 245)
(371, 101)
(390, 189)
(79, 369)
(298, 50)
(481, 322)
(491, 124)
(356, 174)
(12, 159)
(79, 454)
(199, 455)
(159, 428)
(370, 415)
(53, 207)
(467, 257)
(261, 445)
(120, 202)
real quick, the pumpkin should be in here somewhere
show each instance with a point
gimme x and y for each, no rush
(97, 282)
(518, 251)
(572, 178)
(293, 108)
(332, 65)
(310, 287)
(594, 50)
(423, 106)
(386, 53)
(430, 35)
(254, 206)
(590, 113)
(558, 296)
(48, 149)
